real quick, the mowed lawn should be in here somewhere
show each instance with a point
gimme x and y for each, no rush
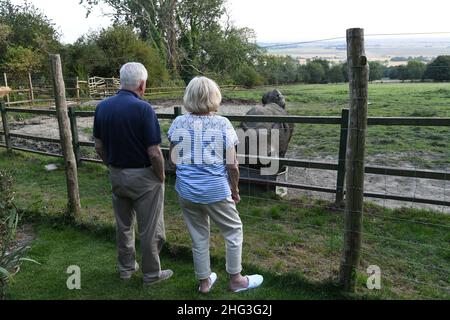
(295, 244)
(59, 247)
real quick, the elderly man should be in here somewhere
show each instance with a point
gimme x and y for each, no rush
(128, 137)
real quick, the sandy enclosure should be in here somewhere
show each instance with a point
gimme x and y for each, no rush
(411, 187)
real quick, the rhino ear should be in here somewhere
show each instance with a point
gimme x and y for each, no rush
(265, 98)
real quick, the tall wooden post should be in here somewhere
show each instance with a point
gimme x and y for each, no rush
(5, 78)
(5, 126)
(359, 82)
(74, 131)
(74, 206)
(178, 111)
(31, 89)
(78, 89)
(342, 154)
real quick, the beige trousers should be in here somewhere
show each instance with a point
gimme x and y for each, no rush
(226, 217)
(138, 194)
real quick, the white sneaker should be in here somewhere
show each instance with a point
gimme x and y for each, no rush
(254, 281)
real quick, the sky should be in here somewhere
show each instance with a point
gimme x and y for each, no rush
(286, 20)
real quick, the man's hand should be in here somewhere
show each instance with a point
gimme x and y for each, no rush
(101, 151)
(157, 159)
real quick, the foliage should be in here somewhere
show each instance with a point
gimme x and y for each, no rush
(315, 72)
(27, 27)
(278, 69)
(416, 69)
(248, 77)
(103, 53)
(173, 27)
(439, 69)
(336, 74)
(10, 257)
(20, 61)
(376, 71)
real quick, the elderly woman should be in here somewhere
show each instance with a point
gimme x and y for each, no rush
(203, 150)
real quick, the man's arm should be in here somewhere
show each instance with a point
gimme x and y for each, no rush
(234, 174)
(101, 151)
(157, 159)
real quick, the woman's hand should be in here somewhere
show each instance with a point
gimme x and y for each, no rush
(236, 197)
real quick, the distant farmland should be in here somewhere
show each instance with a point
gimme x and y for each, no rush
(377, 50)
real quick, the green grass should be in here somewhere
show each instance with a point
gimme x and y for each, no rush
(301, 238)
(421, 147)
(425, 147)
(57, 248)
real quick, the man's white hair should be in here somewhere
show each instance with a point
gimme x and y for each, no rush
(131, 75)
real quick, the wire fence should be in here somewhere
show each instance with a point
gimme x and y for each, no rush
(304, 231)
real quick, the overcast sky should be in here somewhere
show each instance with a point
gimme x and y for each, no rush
(287, 20)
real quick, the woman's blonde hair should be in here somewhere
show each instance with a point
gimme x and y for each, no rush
(202, 95)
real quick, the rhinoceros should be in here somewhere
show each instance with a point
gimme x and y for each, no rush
(274, 104)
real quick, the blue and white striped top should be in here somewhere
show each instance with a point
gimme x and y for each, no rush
(200, 144)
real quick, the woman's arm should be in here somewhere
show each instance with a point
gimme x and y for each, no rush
(233, 174)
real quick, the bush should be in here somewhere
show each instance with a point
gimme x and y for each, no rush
(248, 77)
(103, 53)
(11, 257)
(439, 69)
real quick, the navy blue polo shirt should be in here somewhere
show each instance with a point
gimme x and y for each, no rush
(127, 126)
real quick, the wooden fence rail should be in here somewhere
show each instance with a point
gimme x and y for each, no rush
(316, 165)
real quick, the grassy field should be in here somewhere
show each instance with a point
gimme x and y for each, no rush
(415, 147)
(296, 244)
(424, 147)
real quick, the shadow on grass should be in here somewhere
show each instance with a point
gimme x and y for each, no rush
(60, 242)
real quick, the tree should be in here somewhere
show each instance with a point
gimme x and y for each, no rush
(439, 69)
(416, 70)
(25, 27)
(315, 72)
(173, 27)
(324, 63)
(20, 61)
(376, 71)
(336, 74)
(248, 77)
(278, 69)
(402, 73)
(5, 32)
(103, 53)
(224, 53)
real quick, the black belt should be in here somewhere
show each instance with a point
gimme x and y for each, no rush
(132, 167)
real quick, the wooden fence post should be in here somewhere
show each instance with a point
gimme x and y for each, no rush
(78, 89)
(74, 131)
(74, 208)
(6, 85)
(30, 82)
(342, 155)
(178, 111)
(359, 81)
(6, 127)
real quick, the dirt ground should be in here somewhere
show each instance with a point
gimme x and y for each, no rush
(411, 187)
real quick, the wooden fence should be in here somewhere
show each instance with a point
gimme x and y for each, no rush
(85, 90)
(340, 166)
